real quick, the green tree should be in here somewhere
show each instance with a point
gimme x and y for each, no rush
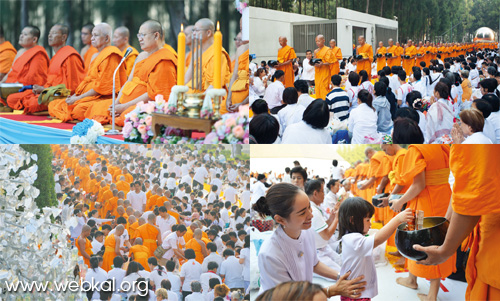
(45, 180)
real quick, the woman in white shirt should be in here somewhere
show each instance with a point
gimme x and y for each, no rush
(470, 128)
(312, 128)
(366, 83)
(440, 115)
(259, 83)
(158, 273)
(363, 120)
(129, 284)
(190, 271)
(95, 275)
(292, 112)
(290, 253)
(245, 261)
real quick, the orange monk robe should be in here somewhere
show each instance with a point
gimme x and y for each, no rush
(395, 178)
(188, 235)
(88, 250)
(475, 193)
(151, 202)
(209, 67)
(106, 196)
(336, 57)
(399, 52)
(84, 176)
(130, 60)
(148, 233)
(99, 78)
(123, 186)
(395, 60)
(176, 215)
(409, 63)
(239, 88)
(171, 49)
(29, 69)
(367, 52)
(433, 200)
(109, 252)
(111, 206)
(193, 244)
(285, 54)
(66, 67)
(428, 56)
(128, 177)
(92, 186)
(157, 202)
(380, 166)
(381, 63)
(7, 55)
(322, 73)
(153, 75)
(141, 255)
(87, 58)
(132, 230)
(420, 51)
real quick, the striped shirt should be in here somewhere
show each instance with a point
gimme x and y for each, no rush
(338, 101)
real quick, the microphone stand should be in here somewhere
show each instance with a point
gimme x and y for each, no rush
(114, 131)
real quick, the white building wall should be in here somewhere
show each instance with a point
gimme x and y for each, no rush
(266, 26)
(347, 19)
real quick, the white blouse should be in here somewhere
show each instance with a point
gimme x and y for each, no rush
(477, 138)
(303, 133)
(362, 123)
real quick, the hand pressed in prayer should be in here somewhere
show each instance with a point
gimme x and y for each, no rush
(72, 99)
(38, 89)
(456, 134)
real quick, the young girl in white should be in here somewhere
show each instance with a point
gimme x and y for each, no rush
(357, 249)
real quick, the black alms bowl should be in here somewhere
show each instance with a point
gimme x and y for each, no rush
(376, 201)
(433, 233)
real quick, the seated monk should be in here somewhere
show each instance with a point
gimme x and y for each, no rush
(237, 43)
(238, 91)
(88, 50)
(154, 73)
(31, 63)
(7, 55)
(207, 29)
(140, 253)
(98, 84)
(121, 38)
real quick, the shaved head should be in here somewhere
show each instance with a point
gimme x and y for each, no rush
(123, 31)
(205, 23)
(154, 26)
(105, 29)
(138, 241)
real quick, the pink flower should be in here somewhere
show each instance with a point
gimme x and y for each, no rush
(246, 141)
(127, 129)
(142, 129)
(159, 98)
(149, 107)
(230, 122)
(149, 120)
(211, 138)
(133, 115)
(238, 132)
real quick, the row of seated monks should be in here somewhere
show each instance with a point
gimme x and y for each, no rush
(88, 75)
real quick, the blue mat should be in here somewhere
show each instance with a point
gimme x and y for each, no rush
(15, 132)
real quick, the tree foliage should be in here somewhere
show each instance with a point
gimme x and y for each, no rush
(45, 180)
(436, 20)
(15, 14)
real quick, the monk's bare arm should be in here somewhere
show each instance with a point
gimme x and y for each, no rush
(415, 189)
(81, 245)
(117, 244)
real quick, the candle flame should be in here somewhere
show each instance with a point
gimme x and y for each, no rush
(182, 27)
(218, 26)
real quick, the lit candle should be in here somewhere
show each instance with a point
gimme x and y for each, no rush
(193, 47)
(217, 58)
(181, 55)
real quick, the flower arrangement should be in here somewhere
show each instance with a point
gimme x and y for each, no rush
(86, 132)
(138, 122)
(170, 135)
(231, 128)
(240, 5)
